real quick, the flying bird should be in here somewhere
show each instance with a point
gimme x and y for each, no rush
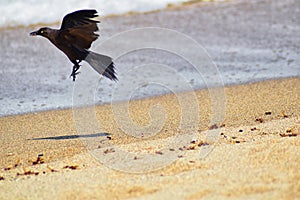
(74, 38)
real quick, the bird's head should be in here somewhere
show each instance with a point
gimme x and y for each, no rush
(45, 31)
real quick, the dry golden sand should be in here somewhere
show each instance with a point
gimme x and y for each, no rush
(256, 157)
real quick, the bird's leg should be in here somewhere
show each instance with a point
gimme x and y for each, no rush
(74, 71)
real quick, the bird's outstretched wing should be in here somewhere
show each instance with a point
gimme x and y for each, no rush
(80, 18)
(79, 28)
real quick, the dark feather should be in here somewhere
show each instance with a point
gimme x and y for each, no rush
(102, 64)
(79, 29)
(81, 37)
(79, 18)
(110, 72)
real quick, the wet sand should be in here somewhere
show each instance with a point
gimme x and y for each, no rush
(256, 154)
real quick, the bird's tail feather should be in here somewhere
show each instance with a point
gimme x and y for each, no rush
(102, 64)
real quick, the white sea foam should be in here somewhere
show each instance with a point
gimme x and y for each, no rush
(26, 12)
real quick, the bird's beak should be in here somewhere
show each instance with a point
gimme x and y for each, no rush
(34, 33)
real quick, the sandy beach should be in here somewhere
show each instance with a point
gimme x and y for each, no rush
(240, 141)
(255, 157)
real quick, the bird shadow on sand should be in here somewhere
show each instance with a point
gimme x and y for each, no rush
(69, 137)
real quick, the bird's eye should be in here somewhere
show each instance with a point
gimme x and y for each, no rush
(42, 32)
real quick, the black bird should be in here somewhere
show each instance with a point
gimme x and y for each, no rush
(74, 38)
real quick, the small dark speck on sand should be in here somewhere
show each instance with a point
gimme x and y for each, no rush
(214, 126)
(260, 120)
(253, 129)
(109, 137)
(111, 150)
(73, 167)
(289, 135)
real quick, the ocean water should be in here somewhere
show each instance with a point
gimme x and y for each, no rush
(26, 12)
(248, 41)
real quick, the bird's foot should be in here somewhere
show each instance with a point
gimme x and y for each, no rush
(74, 72)
(73, 75)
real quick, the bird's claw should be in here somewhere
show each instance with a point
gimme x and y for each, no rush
(74, 75)
(74, 72)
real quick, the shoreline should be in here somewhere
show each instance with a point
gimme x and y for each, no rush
(144, 98)
(259, 135)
